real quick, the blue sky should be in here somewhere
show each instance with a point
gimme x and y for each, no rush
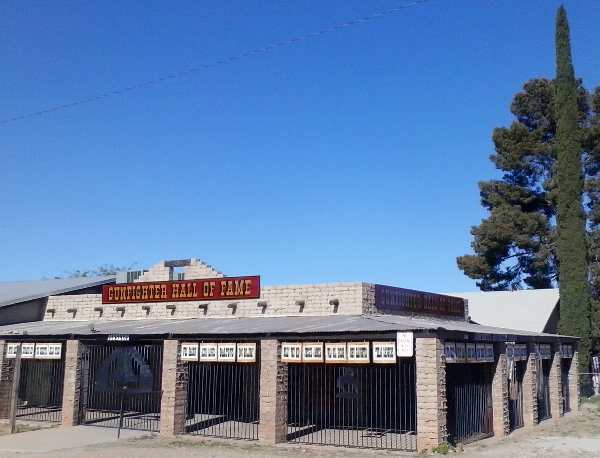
(355, 156)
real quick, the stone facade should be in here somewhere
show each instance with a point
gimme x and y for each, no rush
(431, 393)
(555, 384)
(195, 269)
(500, 392)
(272, 427)
(575, 401)
(299, 300)
(6, 381)
(72, 383)
(530, 407)
(173, 403)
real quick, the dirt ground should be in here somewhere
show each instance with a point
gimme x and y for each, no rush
(576, 435)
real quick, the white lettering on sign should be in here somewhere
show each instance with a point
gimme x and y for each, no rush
(404, 344)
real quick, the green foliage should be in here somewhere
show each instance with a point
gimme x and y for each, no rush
(571, 236)
(516, 245)
(442, 449)
(106, 269)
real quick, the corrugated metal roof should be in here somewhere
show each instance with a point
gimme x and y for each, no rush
(14, 292)
(528, 309)
(249, 326)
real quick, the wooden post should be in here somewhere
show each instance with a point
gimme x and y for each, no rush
(12, 418)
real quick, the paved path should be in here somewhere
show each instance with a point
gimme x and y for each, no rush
(52, 439)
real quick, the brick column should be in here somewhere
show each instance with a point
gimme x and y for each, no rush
(431, 393)
(272, 427)
(6, 379)
(530, 406)
(72, 383)
(500, 391)
(173, 403)
(555, 384)
(574, 383)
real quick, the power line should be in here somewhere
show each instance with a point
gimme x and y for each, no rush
(227, 60)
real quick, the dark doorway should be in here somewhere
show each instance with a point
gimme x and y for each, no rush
(123, 378)
(469, 392)
(543, 394)
(565, 367)
(515, 394)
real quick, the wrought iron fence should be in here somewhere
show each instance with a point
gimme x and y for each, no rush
(223, 399)
(515, 394)
(543, 391)
(40, 390)
(469, 394)
(121, 386)
(369, 405)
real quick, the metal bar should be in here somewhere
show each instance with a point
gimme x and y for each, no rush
(15, 390)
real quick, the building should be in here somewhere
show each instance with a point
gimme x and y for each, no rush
(528, 309)
(182, 349)
(22, 301)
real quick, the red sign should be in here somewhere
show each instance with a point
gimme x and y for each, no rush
(389, 299)
(211, 289)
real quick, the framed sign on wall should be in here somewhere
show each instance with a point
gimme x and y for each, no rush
(208, 351)
(358, 352)
(312, 352)
(226, 352)
(384, 352)
(189, 351)
(246, 352)
(335, 352)
(291, 352)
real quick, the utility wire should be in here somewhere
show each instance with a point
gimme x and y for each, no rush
(227, 60)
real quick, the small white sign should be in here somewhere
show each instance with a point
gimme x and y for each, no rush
(226, 352)
(189, 352)
(461, 352)
(312, 352)
(358, 352)
(246, 352)
(291, 352)
(404, 344)
(208, 351)
(384, 352)
(335, 352)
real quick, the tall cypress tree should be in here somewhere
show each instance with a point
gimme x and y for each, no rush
(571, 231)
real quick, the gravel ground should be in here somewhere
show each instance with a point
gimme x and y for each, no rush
(576, 435)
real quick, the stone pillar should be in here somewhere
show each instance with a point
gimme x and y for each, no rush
(173, 403)
(530, 406)
(6, 379)
(72, 383)
(500, 391)
(272, 427)
(555, 384)
(574, 383)
(431, 393)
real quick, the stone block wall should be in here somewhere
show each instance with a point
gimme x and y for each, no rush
(72, 383)
(555, 384)
(574, 383)
(500, 391)
(195, 269)
(173, 403)
(280, 301)
(272, 427)
(431, 393)
(6, 381)
(530, 406)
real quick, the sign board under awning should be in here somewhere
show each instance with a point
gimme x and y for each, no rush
(211, 289)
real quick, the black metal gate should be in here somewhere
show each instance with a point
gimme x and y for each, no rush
(565, 366)
(223, 399)
(371, 405)
(543, 392)
(41, 389)
(469, 393)
(515, 394)
(121, 386)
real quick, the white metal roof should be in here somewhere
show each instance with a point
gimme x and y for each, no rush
(14, 292)
(527, 309)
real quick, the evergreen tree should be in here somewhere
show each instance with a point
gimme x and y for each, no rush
(571, 237)
(515, 245)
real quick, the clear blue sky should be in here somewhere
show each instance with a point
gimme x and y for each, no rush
(351, 157)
